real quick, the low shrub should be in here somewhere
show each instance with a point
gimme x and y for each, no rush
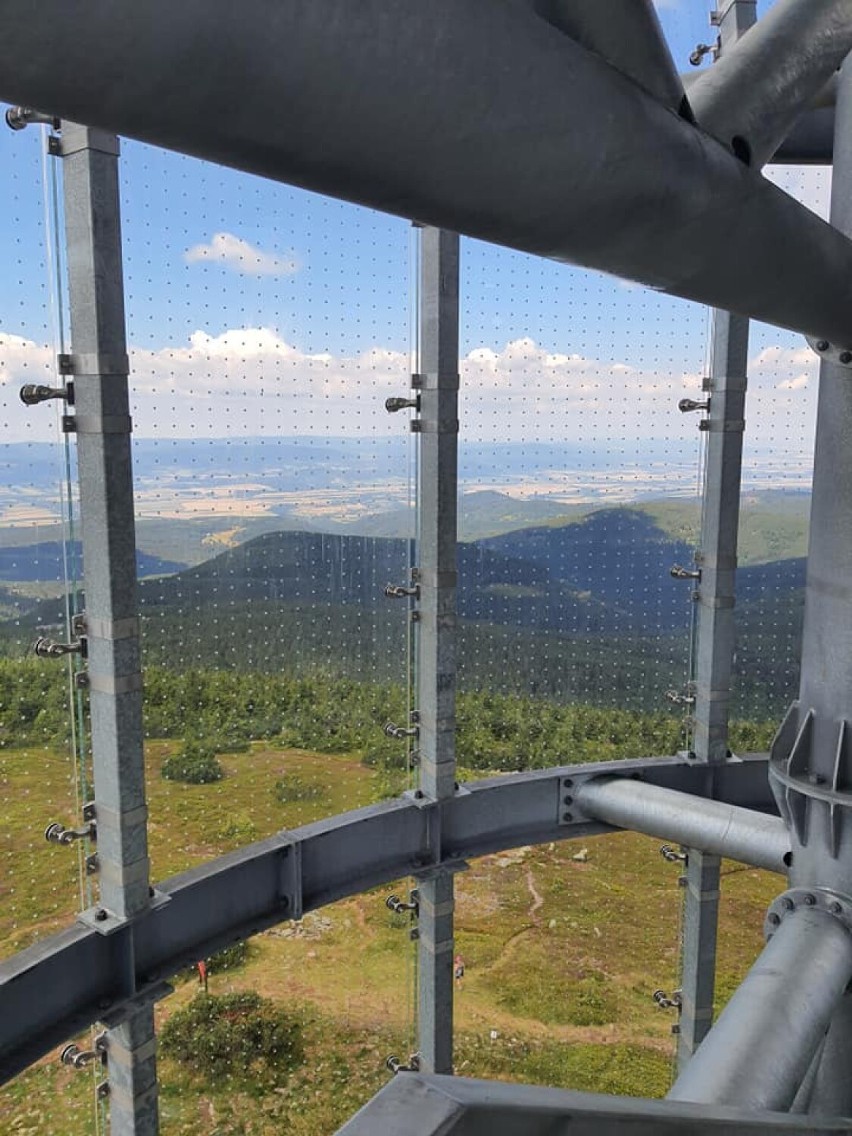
(242, 1036)
(196, 764)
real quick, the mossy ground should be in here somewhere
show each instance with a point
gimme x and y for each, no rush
(562, 955)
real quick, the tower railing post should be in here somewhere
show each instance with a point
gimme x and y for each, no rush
(101, 424)
(438, 384)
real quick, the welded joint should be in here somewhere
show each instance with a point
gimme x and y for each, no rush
(833, 903)
(841, 356)
(92, 363)
(722, 425)
(290, 880)
(147, 995)
(95, 424)
(435, 380)
(106, 922)
(568, 812)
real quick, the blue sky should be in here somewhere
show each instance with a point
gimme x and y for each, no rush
(254, 307)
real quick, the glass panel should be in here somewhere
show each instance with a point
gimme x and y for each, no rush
(267, 327)
(579, 494)
(563, 947)
(333, 1016)
(777, 471)
(42, 756)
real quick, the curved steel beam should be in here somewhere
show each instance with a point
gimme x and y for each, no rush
(466, 115)
(85, 973)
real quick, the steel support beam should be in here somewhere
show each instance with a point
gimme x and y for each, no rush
(102, 426)
(627, 34)
(813, 770)
(715, 627)
(413, 1105)
(449, 113)
(68, 981)
(716, 828)
(750, 99)
(438, 387)
(758, 1053)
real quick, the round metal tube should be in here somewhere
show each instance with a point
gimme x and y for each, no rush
(477, 118)
(760, 86)
(696, 822)
(759, 1052)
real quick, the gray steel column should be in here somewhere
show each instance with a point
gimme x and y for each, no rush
(759, 1052)
(101, 422)
(812, 777)
(715, 629)
(436, 645)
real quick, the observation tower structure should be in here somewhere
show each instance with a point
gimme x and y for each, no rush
(559, 128)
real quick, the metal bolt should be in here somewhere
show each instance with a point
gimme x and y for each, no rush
(788, 903)
(101, 915)
(774, 918)
(835, 908)
(823, 345)
(418, 793)
(393, 405)
(809, 900)
(568, 801)
(567, 783)
(845, 357)
(567, 817)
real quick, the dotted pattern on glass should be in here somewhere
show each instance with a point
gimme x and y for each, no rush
(578, 495)
(42, 746)
(777, 472)
(267, 327)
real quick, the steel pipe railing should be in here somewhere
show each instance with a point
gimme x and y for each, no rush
(696, 822)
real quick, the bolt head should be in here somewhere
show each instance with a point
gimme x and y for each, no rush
(787, 903)
(773, 918)
(567, 817)
(845, 357)
(823, 345)
(101, 915)
(809, 900)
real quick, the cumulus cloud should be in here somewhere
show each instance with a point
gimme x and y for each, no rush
(240, 256)
(252, 381)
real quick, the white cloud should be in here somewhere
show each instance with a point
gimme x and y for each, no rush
(251, 381)
(241, 257)
(811, 185)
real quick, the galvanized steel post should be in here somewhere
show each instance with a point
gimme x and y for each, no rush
(724, 426)
(436, 649)
(812, 779)
(101, 423)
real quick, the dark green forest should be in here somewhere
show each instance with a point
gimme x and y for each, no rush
(329, 714)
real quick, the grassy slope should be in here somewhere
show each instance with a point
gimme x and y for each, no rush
(562, 955)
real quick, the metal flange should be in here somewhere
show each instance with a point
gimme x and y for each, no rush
(833, 903)
(841, 356)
